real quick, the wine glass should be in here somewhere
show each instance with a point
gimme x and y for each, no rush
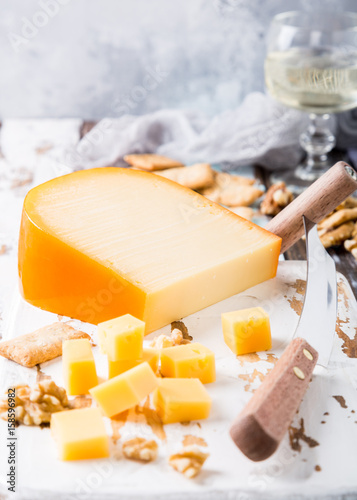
(311, 65)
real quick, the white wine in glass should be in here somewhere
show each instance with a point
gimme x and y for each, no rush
(311, 65)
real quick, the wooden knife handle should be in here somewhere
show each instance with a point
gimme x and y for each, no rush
(323, 196)
(261, 425)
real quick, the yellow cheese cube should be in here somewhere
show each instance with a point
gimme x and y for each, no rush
(188, 361)
(117, 367)
(79, 370)
(247, 330)
(152, 356)
(80, 434)
(126, 390)
(181, 399)
(122, 338)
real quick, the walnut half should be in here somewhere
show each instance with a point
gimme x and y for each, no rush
(162, 341)
(34, 406)
(277, 197)
(140, 449)
(188, 461)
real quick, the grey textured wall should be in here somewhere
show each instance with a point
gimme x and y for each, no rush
(94, 58)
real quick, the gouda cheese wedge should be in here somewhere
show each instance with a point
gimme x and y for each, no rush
(100, 243)
(247, 330)
(80, 434)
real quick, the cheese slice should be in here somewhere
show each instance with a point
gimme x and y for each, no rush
(100, 243)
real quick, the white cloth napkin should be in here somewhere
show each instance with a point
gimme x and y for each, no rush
(260, 131)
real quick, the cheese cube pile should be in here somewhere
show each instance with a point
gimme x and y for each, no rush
(131, 378)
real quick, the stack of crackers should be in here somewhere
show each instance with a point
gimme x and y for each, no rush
(221, 187)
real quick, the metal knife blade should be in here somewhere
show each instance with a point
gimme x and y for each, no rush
(318, 318)
(263, 422)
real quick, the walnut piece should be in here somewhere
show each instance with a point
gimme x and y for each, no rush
(34, 406)
(140, 449)
(176, 336)
(188, 461)
(162, 341)
(277, 197)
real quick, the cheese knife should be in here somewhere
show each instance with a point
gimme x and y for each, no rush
(262, 424)
(321, 198)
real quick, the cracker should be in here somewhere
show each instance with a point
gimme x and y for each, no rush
(245, 212)
(234, 195)
(337, 235)
(232, 190)
(41, 345)
(240, 196)
(338, 218)
(224, 179)
(151, 162)
(198, 176)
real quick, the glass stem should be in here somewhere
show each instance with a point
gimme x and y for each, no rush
(317, 141)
